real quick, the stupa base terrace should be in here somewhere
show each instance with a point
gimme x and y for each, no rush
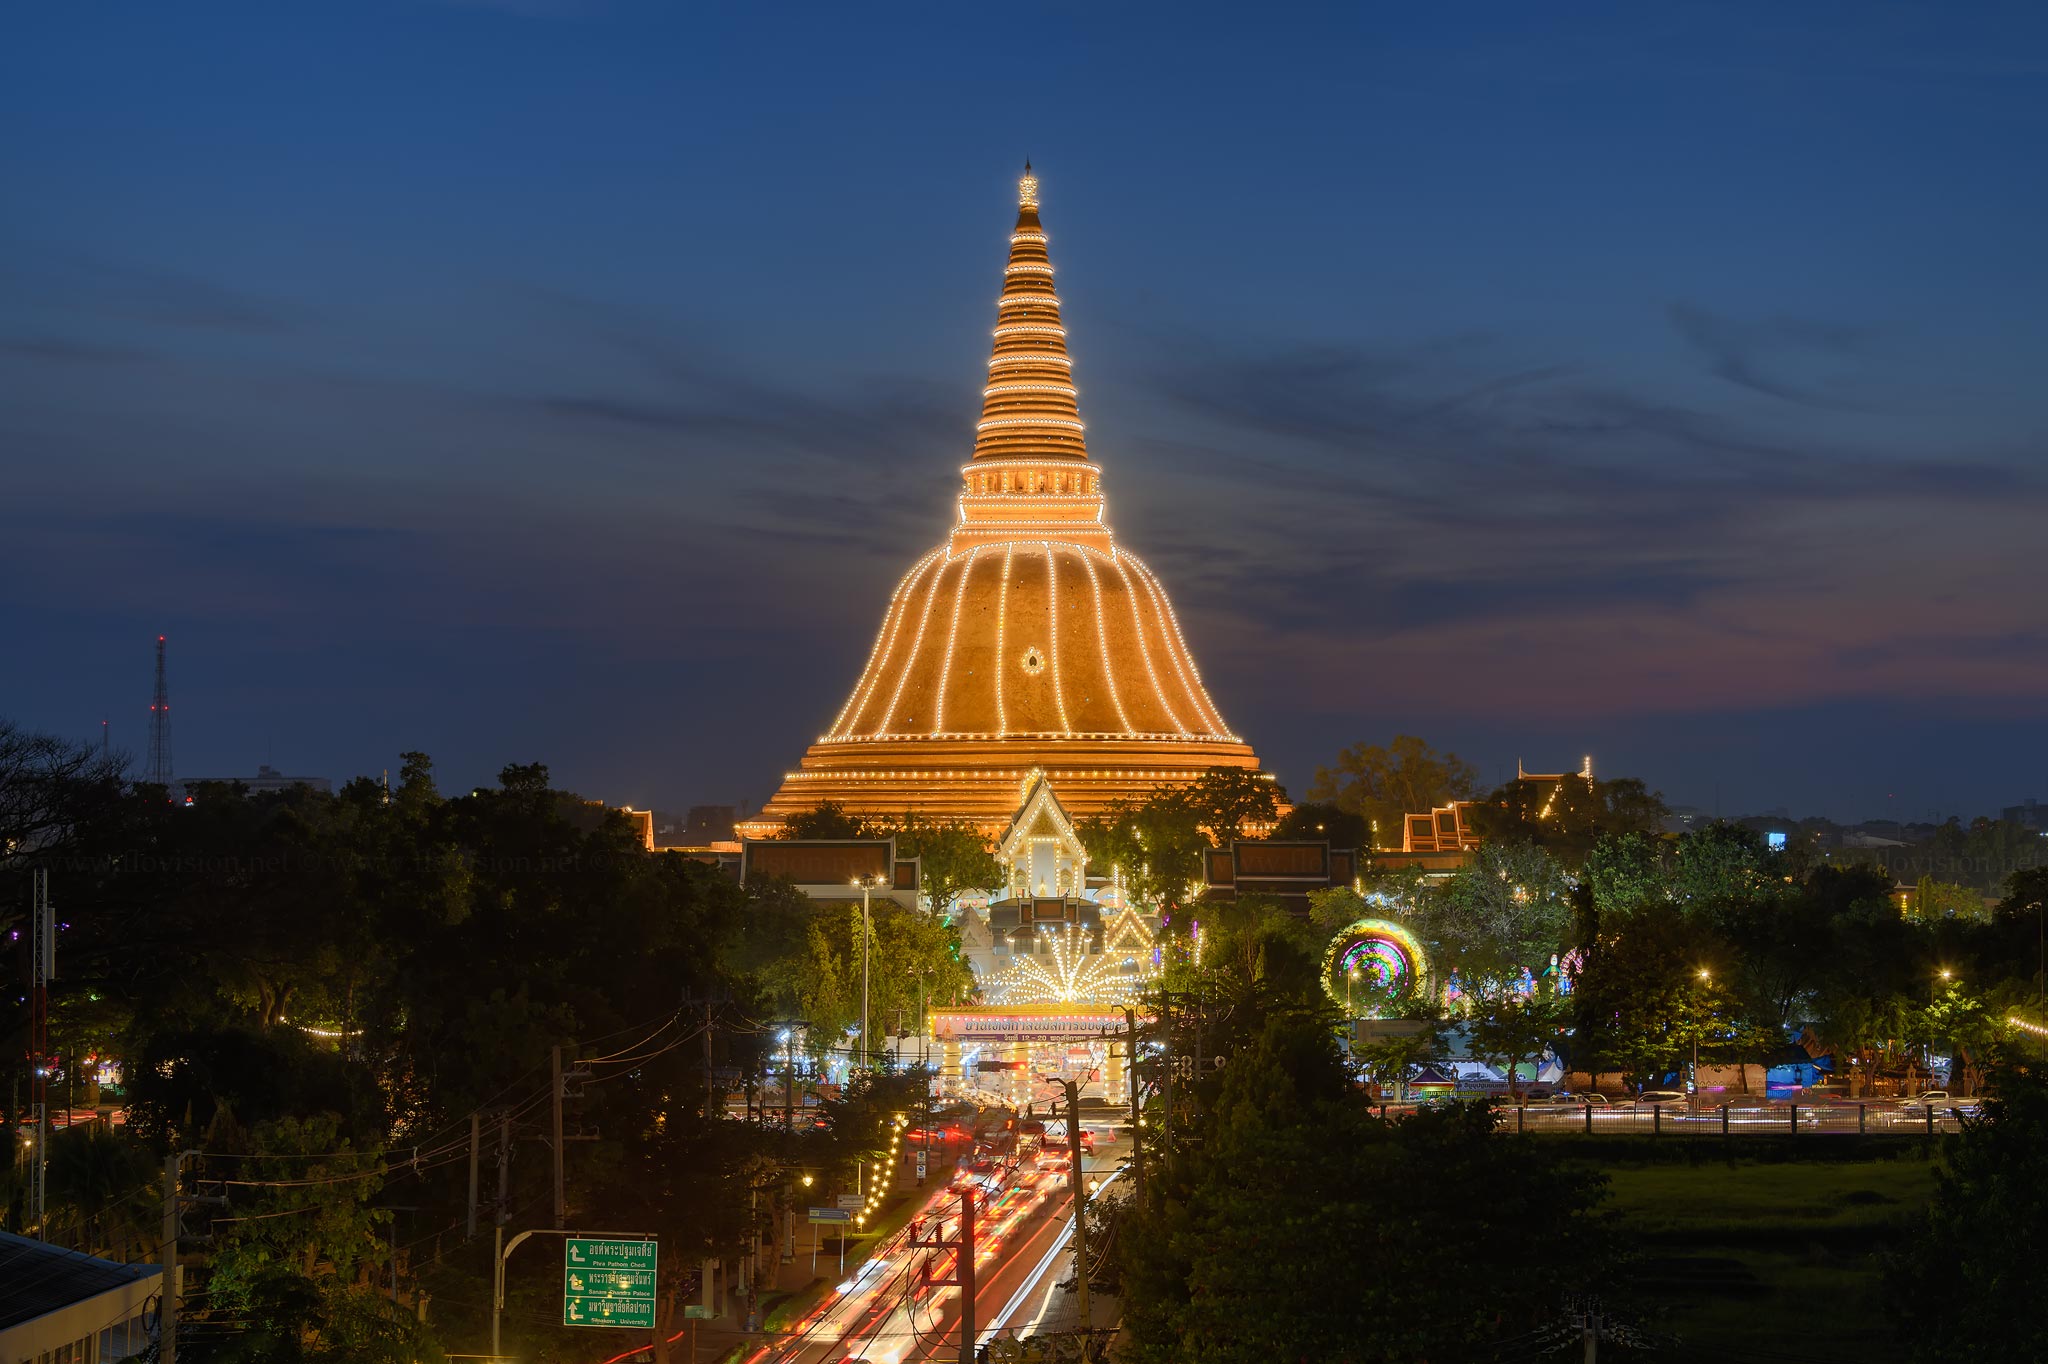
(976, 780)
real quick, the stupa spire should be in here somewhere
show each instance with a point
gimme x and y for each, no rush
(1028, 409)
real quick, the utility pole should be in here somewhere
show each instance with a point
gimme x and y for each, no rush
(963, 1264)
(1077, 1185)
(965, 1273)
(167, 1311)
(43, 949)
(866, 884)
(503, 1215)
(476, 1128)
(555, 1085)
(1137, 1115)
(560, 1080)
(710, 1085)
(789, 1081)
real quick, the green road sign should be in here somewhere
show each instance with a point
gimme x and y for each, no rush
(609, 1283)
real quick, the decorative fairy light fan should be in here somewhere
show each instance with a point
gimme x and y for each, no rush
(1068, 973)
(1372, 965)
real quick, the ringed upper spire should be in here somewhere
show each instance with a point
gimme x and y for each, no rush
(1029, 408)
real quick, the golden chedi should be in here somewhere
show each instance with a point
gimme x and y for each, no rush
(1029, 640)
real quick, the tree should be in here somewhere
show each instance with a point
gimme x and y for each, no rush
(1934, 901)
(293, 1272)
(1255, 939)
(1957, 1287)
(1158, 845)
(1643, 988)
(1385, 784)
(105, 1190)
(1390, 1060)
(1516, 1028)
(1720, 866)
(828, 820)
(1325, 820)
(953, 858)
(1626, 872)
(1226, 799)
(49, 787)
(1504, 913)
(1354, 1240)
(1568, 818)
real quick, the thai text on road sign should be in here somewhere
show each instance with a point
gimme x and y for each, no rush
(609, 1282)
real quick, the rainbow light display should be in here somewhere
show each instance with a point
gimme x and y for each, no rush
(1372, 964)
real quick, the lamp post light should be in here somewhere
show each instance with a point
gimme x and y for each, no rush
(867, 885)
(1946, 975)
(1350, 979)
(1705, 976)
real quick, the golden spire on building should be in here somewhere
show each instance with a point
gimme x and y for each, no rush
(1028, 410)
(1028, 638)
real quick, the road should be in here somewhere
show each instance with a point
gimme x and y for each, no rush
(886, 1314)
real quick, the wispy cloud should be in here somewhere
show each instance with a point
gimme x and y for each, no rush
(1762, 355)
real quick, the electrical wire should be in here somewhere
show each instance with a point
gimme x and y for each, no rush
(665, 1025)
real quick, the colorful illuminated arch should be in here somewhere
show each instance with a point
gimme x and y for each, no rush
(1375, 962)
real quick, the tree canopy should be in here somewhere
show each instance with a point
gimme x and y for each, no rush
(1384, 783)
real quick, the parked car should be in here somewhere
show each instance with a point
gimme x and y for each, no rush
(1566, 1099)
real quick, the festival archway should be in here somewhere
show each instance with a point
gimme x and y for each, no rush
(1373, 965)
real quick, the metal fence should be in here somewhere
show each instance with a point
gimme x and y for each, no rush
(1730, 1120)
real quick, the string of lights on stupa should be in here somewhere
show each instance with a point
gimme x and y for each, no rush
(952, 636)
(986, 663)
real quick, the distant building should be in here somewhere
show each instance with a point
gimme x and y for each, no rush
(1683, 819)
(590, 816)
(62, 1304)
(1284, 869)
(2028, 814)
(830, 870)
(1548, 782)
(1446, 829)
(705, 825)
(267, 779)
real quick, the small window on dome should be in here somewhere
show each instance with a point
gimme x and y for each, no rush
(1033, 662)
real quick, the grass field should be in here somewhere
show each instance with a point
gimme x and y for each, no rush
(1768, 1260)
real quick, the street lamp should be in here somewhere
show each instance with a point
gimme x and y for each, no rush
(1350, 979)
(1705, 976)
(867, 884)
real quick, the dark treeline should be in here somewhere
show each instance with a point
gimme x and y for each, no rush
(318, 991)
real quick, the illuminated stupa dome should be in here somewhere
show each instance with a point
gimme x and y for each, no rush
(1029, 640)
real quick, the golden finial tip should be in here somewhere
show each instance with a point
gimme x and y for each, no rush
(1027, 188)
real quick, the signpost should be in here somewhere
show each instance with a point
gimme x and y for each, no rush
(840, 1216)
(609, 1283)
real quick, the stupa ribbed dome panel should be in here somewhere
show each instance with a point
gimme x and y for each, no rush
(1029, 640)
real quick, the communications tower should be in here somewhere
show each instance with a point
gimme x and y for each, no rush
(160, 725)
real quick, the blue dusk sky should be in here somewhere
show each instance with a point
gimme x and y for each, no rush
(572, 381)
